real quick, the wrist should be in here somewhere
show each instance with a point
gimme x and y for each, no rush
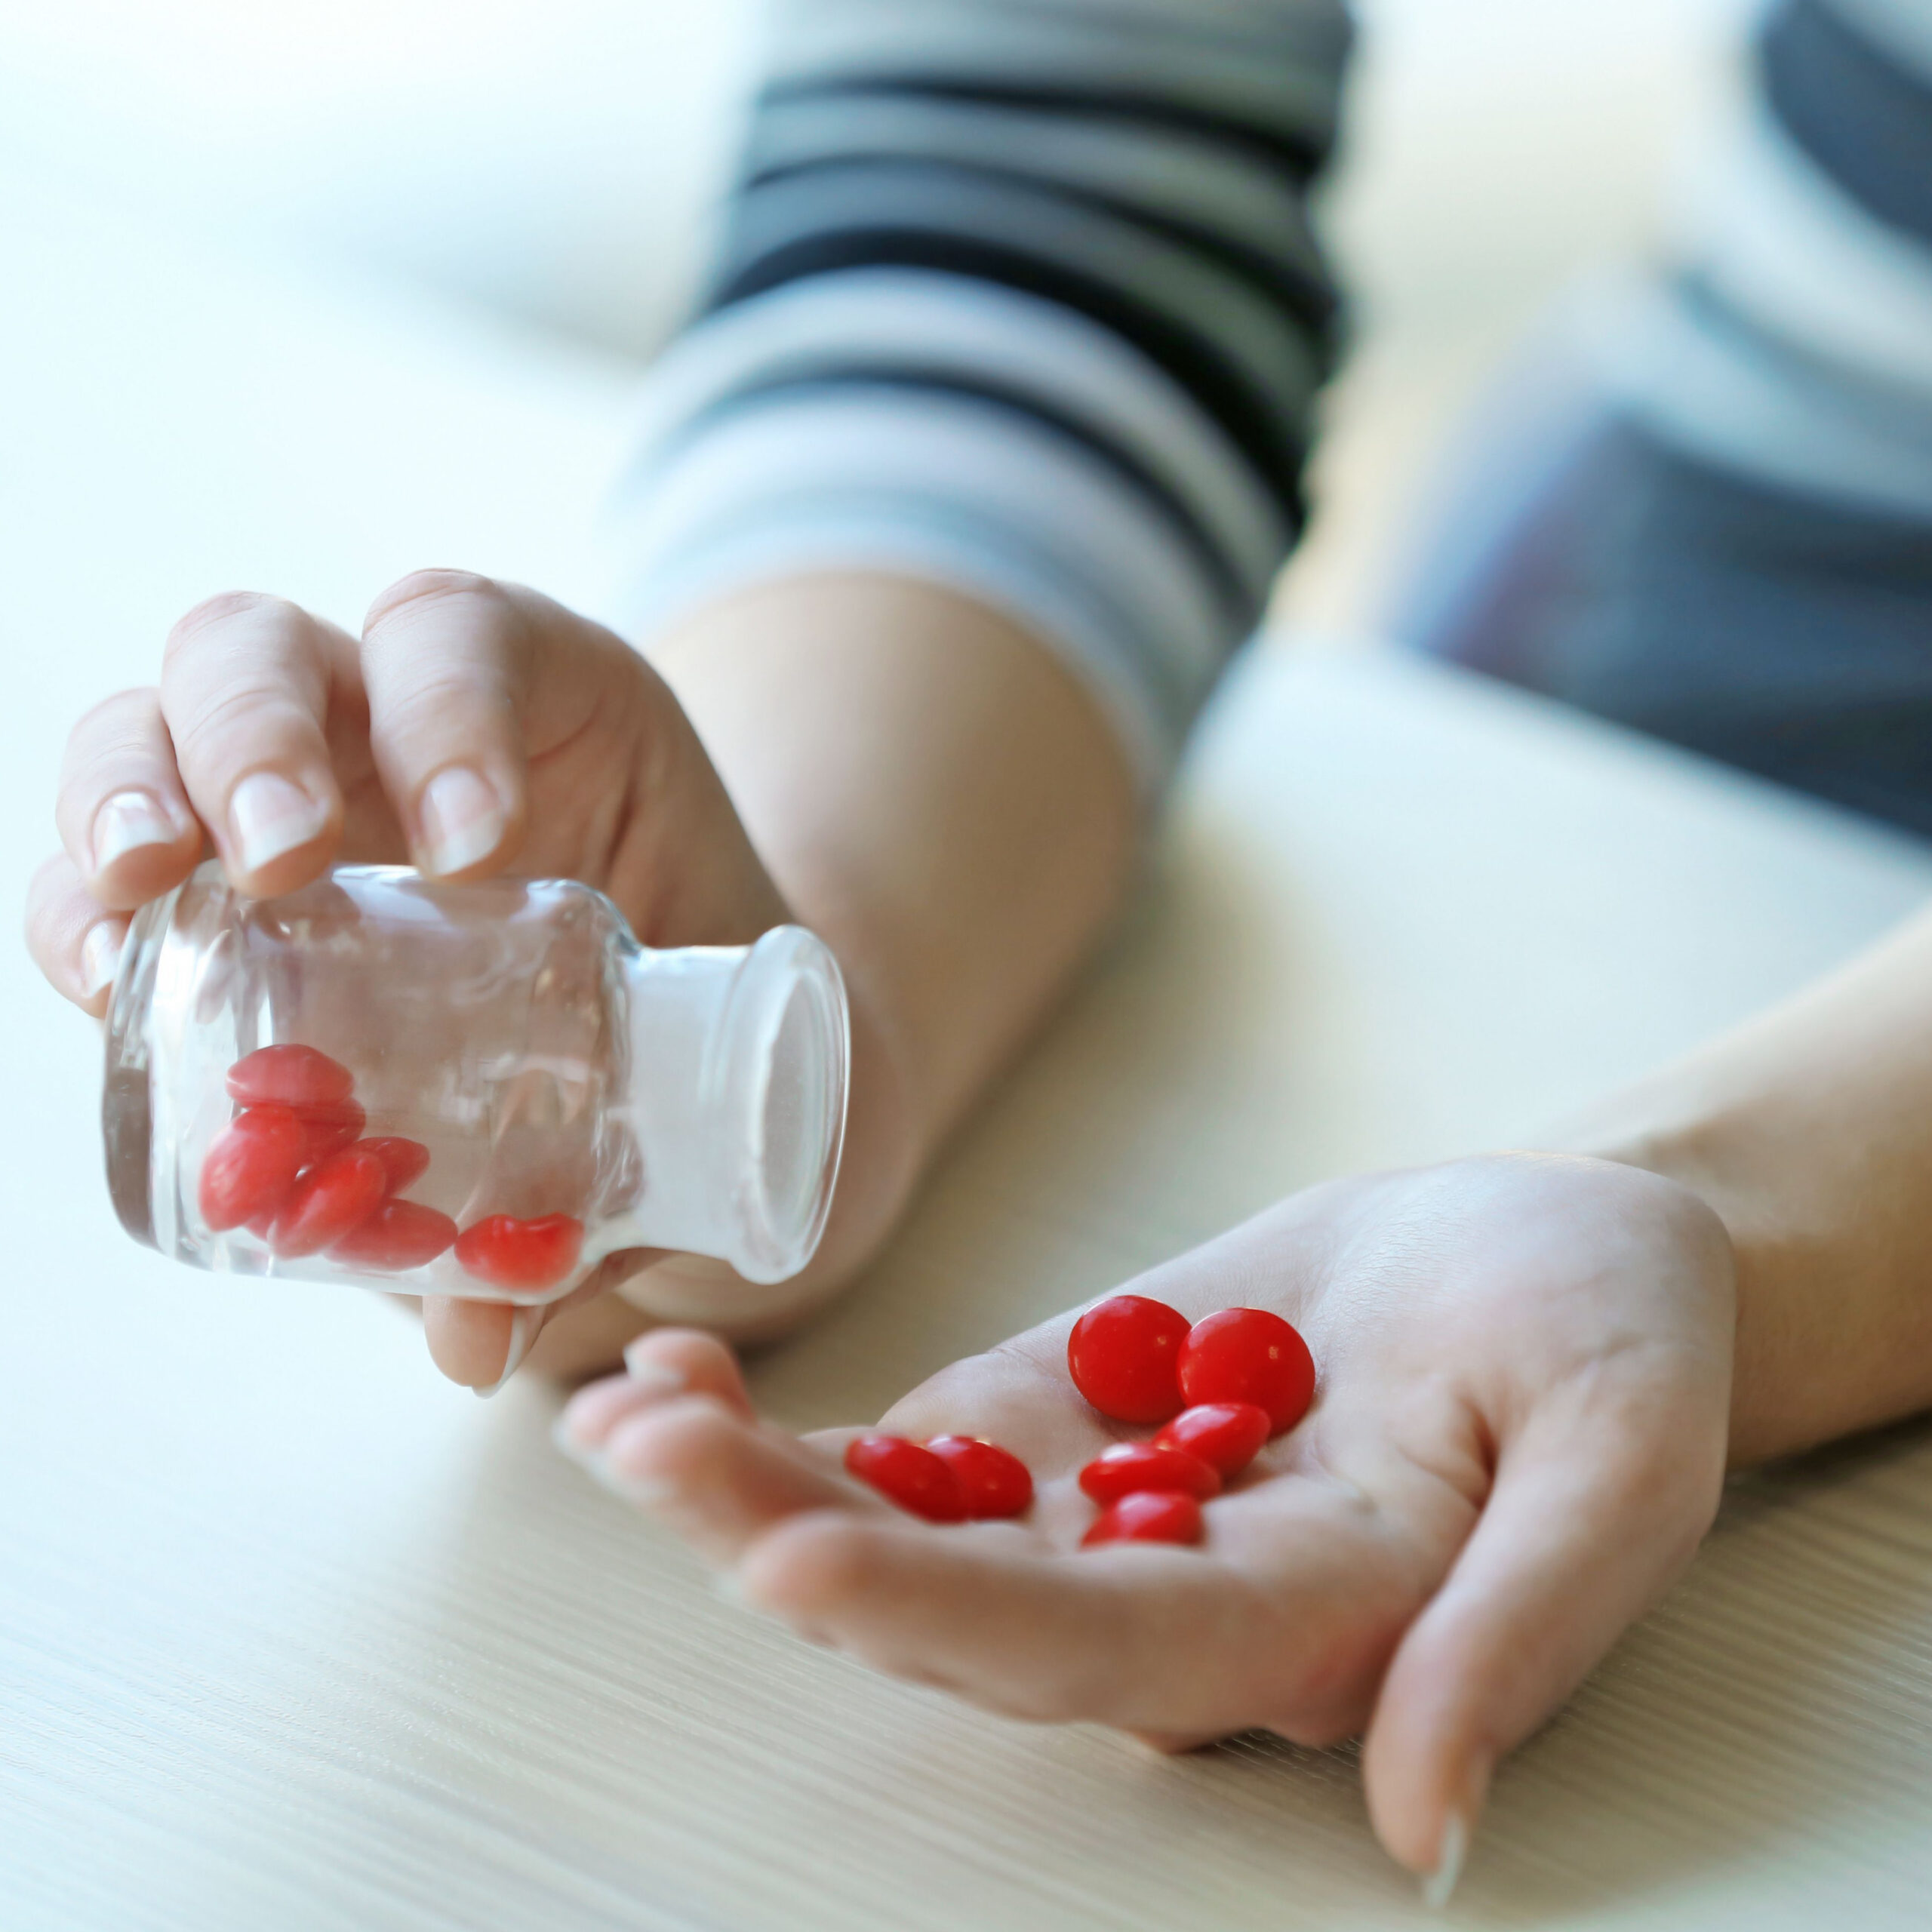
(1809, 1363)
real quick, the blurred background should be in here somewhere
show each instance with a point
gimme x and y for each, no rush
(551, 168)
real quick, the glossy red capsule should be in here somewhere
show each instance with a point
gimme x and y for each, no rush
(910, 1475)
(289, 1076)
(1130, 1469)
(328, 1126)
(1122, 1355)
(1247, 1355)
(511, 1253)
(1147, 1516)
(330, 1200)
(993, 1482)
(404, 1162)
(1227, 1434)
(249, 1168)
(399, 1235)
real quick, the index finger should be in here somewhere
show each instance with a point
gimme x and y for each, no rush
(246, 692)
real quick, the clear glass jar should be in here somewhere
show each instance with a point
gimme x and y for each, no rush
(480, 1090)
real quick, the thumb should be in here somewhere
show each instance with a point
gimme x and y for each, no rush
(1596, 1508)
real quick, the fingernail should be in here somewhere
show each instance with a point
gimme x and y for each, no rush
(462, 820)
(271, 816)
(1439, 1885)
(524, 1325)
(100, 957)
(659, 1378)
(126, 822)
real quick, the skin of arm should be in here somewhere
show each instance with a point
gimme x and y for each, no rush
(1809, 1131)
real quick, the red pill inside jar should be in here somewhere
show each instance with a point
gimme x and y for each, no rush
(330, 1200)
(250, 1167)
(289, 1076)
(327, 1127)
(1248, 1354)
(508, 1252)
(1147, 1516)
(1122, 1355)
(993, 1482)
(404, 1162)
(1227, 1434)
(399, 1235)
(1129, 1468)
(908, 1473)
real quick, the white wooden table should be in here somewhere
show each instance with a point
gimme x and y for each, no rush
(292, 1635)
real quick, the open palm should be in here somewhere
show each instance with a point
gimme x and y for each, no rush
(1518, 1439)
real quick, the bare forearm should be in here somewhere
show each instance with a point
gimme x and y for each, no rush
(939, 798)
(1809, 1132)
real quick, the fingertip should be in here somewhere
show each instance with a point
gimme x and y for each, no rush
(73, 940)
(140, 845)
(469, 1341)
(1426, 1778)
(463, 825)
(280, 832)
(670, 1360)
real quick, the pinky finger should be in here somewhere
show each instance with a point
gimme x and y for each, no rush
(74, 940)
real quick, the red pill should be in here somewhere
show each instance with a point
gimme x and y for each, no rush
(398, 1235)
(289, 1076)
(510, 1253)
(1129, 1468)
(250, 1167)
(1227, 1434)
(1247, 1355)
(329, 1201)
(910, 1475)
(1121, 1355)
(1147, 1516)
(992, 1481)
(328, 1126)
(403, 1161)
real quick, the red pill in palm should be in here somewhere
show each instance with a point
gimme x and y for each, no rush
(510, 1253)
(1247, 1355)
(329, 1201)
(327, 1127)
(403, 1161)
(1130, 1469)
(289, 1076)
(993, 1481)
(1147, 1516)
(1122, 1354)
(1227, 1434)
(910, 1475)
(399, 1235)
(250, 1167)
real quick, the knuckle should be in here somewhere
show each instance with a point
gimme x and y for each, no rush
(429, 588)
(225, 606)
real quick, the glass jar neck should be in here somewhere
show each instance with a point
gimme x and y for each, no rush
(738, 1066)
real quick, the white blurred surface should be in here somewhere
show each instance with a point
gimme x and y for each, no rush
(557, 160)
(295, 1638)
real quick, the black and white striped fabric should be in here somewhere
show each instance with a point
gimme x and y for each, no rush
(1792, 345)
(1019, 296)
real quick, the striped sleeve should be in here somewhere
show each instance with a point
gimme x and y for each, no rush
(1793, 343)
(1020, 296)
